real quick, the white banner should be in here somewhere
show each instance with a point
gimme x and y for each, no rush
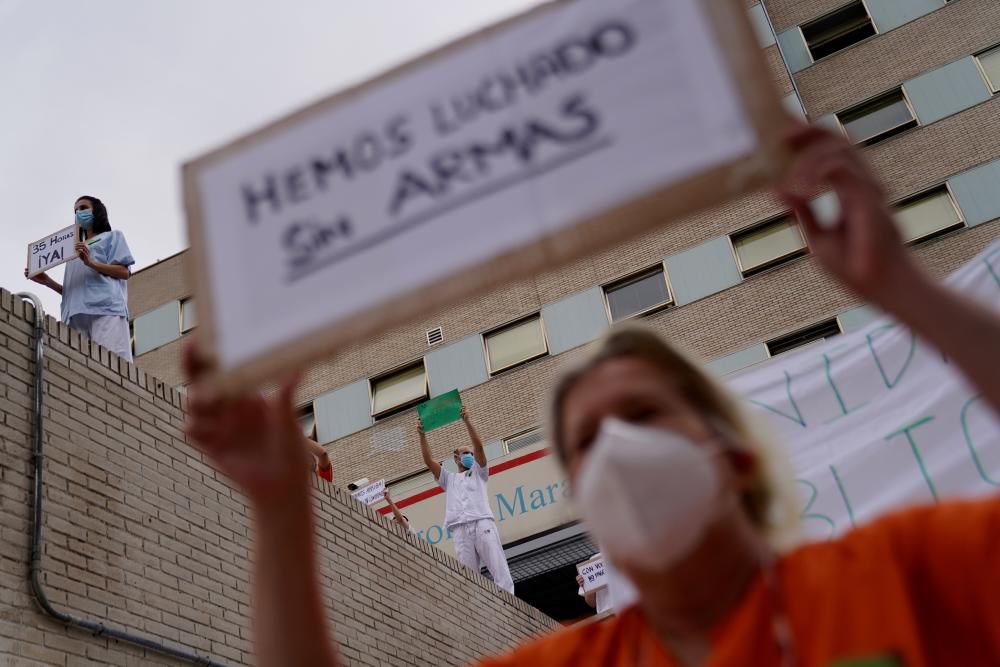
(877, 419)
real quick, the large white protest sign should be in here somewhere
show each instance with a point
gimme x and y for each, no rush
(593, 574)
(51, 251)
(539, 140)
(877, 419)
(370, 494)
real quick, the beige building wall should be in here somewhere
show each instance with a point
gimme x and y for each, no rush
(760, 308)
(139, 533)
(158, 283)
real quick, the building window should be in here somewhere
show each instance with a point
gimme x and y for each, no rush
(523, 440)
(989, 61)
(837, 30)
(515, 344)
(638, 294)
(769, 245)
(815, 333)
(927, 215)
(188, 318)
(307, 421)
(878, 119)
(399, 390)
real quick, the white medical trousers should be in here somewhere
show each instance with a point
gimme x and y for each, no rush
(477, 543)
(111, 331)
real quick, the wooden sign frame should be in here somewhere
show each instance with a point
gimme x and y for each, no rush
(76, 233)
(746, 64)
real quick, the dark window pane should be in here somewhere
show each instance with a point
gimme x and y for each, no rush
(821, 331)
(877, 118)
(838, 30)
(637, 295)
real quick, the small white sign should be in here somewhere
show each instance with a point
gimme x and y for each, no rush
(52, 250)
(594, 574)
(370, 494)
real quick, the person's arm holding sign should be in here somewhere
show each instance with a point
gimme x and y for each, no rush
(396, 514)
(479, 453)
(111, 270)
(864, 251)
(590, 597)
(323, 466)
(45, 280)
(257, 443)
(425, 452)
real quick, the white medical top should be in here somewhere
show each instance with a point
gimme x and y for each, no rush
(465, 494)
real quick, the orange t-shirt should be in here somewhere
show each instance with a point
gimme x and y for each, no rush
(915, 589)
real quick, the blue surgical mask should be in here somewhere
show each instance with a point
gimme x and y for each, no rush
(85, 218)
(467, 460)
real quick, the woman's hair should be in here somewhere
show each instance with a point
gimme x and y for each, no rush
(101, 222)
(770, 501)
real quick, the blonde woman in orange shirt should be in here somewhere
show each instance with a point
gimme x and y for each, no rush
(700, 525)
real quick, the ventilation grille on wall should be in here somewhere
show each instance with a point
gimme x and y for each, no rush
(524, 440)
(434, 336)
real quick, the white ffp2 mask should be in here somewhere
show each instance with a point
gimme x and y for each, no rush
(646, 494)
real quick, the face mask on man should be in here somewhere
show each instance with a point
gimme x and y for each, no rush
(85, 218)
(646, 494)
(467, 460)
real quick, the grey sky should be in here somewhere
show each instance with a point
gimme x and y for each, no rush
(109, 97)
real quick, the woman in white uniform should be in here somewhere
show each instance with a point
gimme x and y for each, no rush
(94, 289)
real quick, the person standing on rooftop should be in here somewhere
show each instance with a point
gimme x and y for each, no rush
(95, 286)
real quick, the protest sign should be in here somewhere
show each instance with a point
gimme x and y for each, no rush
(532, 143)
(593, 573)
(51, 251)
(370, 494)
(440, 411)
(876, 419)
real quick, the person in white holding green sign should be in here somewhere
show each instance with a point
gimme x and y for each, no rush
(94, 289)
(468, 516)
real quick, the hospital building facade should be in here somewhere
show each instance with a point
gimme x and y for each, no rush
(913, 82)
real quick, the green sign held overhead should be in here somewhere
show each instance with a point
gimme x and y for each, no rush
(439, 411)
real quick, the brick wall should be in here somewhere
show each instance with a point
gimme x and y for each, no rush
(958, 29)
(139, 531)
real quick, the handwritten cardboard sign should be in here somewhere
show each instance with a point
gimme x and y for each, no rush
(440, 410)
(52, 250)
(370, 494)
(535, 142)
(594, 574)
